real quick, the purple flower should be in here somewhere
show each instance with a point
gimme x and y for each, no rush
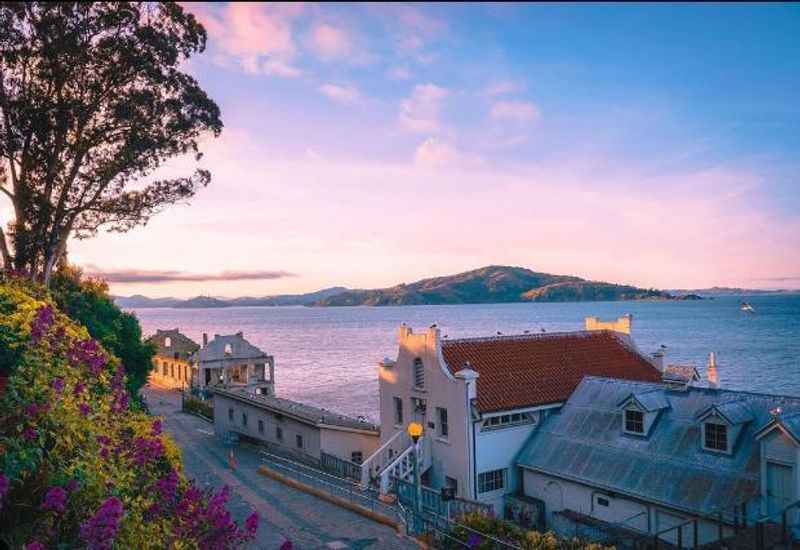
(120, 402)
(156, 430)
(79, 387)
(42, 322)
(32, 410)
(58, 385)
(251, 524)
(146, 450)
(72, 485)
(35, 546)
(55, 500)
(5, 484)
(286, 545)
(474, 540)
(98, 532)
(30, 434)
(88, 352)
(85, 409)
(167, 487)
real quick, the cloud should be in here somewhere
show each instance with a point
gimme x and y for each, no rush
(518, 111)
(330, 42)
(502, 88)
(256, 37)
(437, 154)
(342, 94)
(785, 279)
(420, 112)
(399, 73)
(129, 276)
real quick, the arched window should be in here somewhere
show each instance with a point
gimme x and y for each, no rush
(228, 349)
(167, 342)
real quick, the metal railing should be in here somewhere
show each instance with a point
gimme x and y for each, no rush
(340, 466)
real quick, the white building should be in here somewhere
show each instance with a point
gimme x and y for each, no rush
(480, 399)
(231, 361)
(646, 457)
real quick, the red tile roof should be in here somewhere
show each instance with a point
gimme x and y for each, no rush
(530, 370)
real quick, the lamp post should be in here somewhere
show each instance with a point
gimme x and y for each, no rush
(415, 432)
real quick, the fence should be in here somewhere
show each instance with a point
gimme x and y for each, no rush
(432, 501)
(196, 406)
(340, 467)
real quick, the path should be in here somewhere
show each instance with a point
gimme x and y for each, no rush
(309, 522)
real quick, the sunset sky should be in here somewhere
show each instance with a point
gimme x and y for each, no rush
(369, 145)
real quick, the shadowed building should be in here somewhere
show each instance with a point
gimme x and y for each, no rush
(233, 362)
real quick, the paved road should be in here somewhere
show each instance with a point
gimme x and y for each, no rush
(309, 522)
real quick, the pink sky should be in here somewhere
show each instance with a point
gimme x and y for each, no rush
(367, 146)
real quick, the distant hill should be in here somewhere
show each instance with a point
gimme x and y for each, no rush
(494, 284)
(729, 291)
(141, 302)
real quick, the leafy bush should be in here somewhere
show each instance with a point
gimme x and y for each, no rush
(87, 301)
(478, 525)
(78, 467)
(196, 406)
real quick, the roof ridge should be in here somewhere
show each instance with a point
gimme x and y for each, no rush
(531, 336)
(702, 388)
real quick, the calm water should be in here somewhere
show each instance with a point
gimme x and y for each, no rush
(328, 356)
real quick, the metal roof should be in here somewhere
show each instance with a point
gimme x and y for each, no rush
(584, 442)
(651, 400)
(736, 411)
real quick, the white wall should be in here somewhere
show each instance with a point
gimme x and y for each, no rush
(450, 457)
(343, 443)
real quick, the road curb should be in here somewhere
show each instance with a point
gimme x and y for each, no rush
(358, 509)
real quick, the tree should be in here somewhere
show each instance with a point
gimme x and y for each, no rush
(87, 302)
(92, 102)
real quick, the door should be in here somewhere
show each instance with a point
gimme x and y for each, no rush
(780, 492)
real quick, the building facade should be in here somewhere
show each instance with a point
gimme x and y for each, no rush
(231, 361)
(648, 457)
(304, 432)
(480, 399)
(173, 364)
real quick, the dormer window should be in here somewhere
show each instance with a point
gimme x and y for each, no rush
(419, 373)
(228, 349)
(634, 421)
(715, 437)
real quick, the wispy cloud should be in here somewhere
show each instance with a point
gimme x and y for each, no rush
(518, 111)
(123, 276)
(784, 279)
(330, 42)
(341, 94)
(420, 112)
(435, 153)
(502, 88)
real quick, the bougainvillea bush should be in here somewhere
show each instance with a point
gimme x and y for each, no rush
(78, 467)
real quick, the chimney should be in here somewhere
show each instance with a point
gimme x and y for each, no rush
(205, 339)
(658, 359)
(711, 372)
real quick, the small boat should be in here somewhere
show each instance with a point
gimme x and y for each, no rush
(747, 307)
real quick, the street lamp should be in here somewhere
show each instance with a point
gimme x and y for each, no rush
(415, 430)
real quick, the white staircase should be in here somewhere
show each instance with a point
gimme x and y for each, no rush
(395, 459)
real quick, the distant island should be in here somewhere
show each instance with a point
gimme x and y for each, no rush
(491, 284)
(728, 291)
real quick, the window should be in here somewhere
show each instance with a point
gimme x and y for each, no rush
(634, 421)
(491, 481)
(167, 342)
(602, 501)
(261, 426)
(716, 436)
(164, 368)
(398, 411)
(419, 373)
(442, 416)
(298, 440)
(509, 420)
(244, 419)
(279, 433)
(452, 483)
(357, 457)
(228, 349)
(230, 414)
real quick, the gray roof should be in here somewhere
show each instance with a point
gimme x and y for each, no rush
(681, 374)
(790, 423)
(650, 399)
(240, 349)
(314, 415)
(584, 442)
(735, 411)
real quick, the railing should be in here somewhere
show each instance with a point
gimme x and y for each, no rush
(785, 528)
(377, 462)
(432, 502)
(340, 466)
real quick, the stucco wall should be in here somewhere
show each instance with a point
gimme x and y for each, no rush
(178, 372)
(291, 428)
(451, 456)
(343, 443)
(559, 494)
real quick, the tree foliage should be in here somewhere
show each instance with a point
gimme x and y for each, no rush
(93, 100)
(87, 302)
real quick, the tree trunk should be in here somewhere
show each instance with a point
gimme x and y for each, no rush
(53, 255)
(7, 263)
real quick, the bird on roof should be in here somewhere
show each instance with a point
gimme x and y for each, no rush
(433, 325)
(499, 333)
(527, 332)
(543, 329)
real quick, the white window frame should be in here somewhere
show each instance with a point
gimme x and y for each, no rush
(418, 374)
(492, 480)
(704, 435)
(625, 421)
(508, 420)
(397, 404)
(442, 425)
